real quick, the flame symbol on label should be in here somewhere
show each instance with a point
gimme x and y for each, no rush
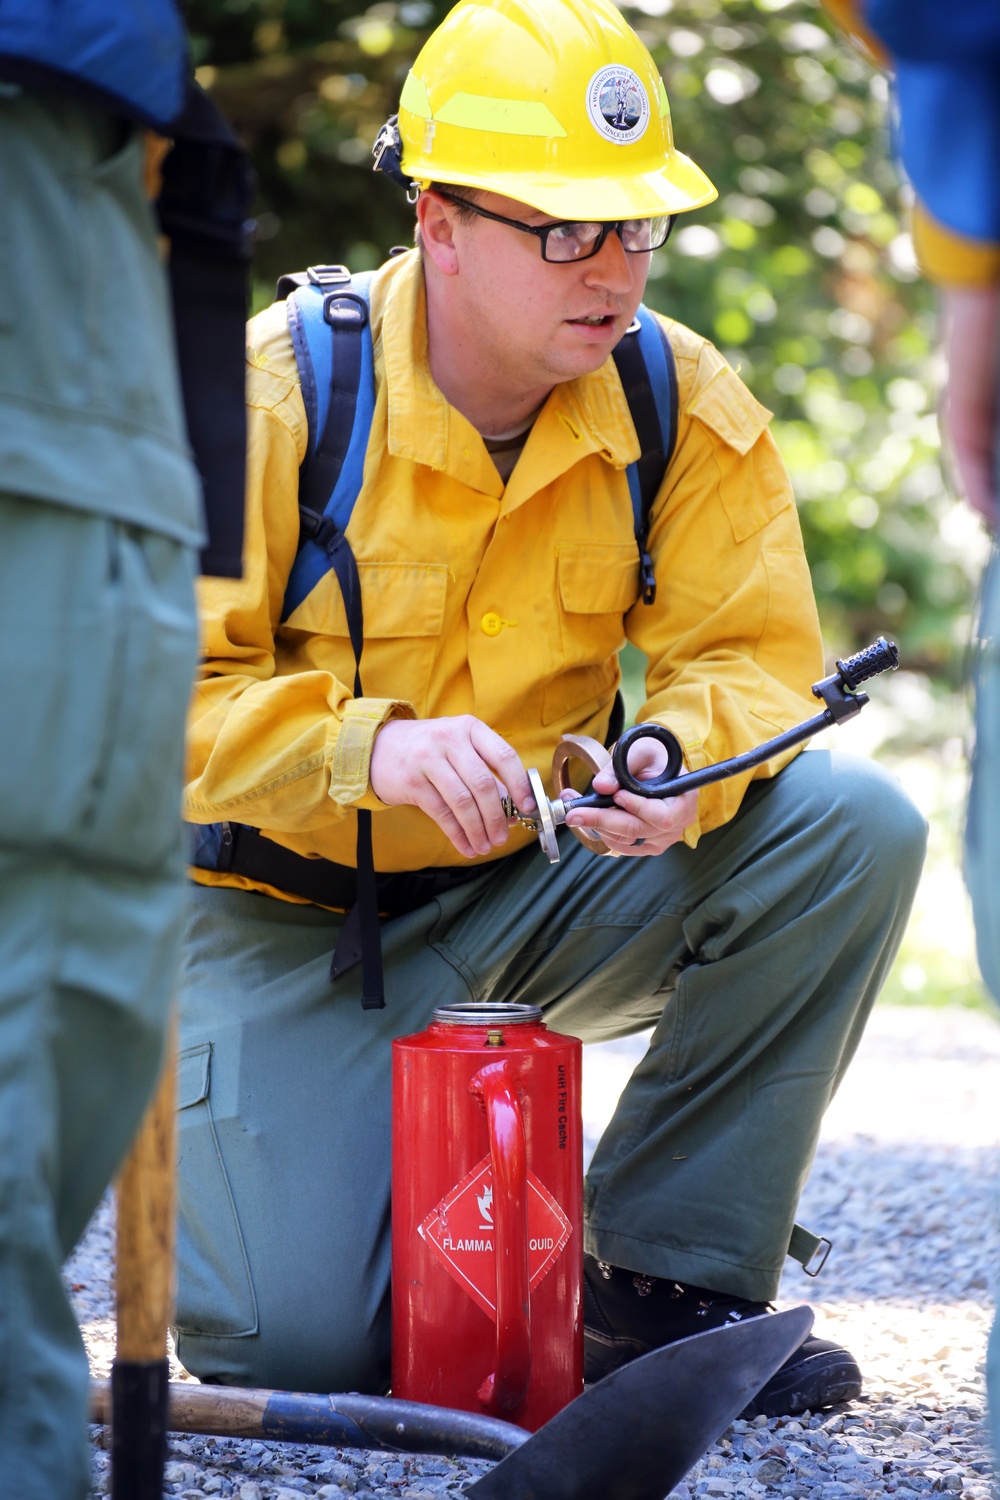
(485, 1201)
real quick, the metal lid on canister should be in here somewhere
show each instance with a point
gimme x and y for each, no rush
(488, 1013)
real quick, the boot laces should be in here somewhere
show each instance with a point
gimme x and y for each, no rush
(645, 1284)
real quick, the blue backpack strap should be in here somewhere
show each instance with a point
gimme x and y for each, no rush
(648, 375)
(328, 320)
(330, 327)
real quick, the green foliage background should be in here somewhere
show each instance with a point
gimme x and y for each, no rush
(802, 271)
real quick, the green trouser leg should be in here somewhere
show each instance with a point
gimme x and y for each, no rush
(982, 855)
(756, 957)
(982, 831)
(97, 653)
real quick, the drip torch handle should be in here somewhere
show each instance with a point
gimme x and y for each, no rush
(880, 656)
(505, 1389)
(837, 693)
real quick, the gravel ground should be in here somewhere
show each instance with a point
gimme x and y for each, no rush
(904, 1184)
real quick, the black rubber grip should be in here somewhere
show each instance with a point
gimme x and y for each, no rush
(881, 656)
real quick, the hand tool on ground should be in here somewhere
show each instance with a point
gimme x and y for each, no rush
(137, 1390)
(841, 699)
(632, 1436)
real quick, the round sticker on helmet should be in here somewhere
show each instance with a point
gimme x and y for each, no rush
(618, 104)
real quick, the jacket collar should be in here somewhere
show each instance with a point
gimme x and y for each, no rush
(583, 416)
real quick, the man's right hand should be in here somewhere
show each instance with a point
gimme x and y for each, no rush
(449, 768)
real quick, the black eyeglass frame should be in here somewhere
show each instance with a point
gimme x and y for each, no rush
(542, 231)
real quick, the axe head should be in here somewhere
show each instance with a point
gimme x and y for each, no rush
(636, 1433)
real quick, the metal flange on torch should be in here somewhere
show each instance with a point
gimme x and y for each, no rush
(841, 700)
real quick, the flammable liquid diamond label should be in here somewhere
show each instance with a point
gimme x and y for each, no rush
(461, 1234)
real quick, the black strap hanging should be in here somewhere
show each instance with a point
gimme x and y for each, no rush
(204, 208)
(362, 926)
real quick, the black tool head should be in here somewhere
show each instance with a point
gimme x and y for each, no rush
(635, 1434)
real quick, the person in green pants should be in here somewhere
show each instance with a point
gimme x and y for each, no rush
(100, 521)
(750, 925)
(946, 76)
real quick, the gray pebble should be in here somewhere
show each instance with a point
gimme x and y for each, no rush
(181, 1474)
(770, 1471)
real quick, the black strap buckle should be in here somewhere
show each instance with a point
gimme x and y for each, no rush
(324, 276)
(322, 530)
(647, 577)
(388, 152)
(345, 310)
(226, 846)
(819, 1257)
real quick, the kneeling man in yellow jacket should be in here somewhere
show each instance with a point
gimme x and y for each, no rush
(750, 925)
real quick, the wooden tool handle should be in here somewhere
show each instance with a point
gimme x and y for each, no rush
(145, 1238)
(144, 1294)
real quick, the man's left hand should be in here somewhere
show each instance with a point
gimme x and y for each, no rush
(636, 825)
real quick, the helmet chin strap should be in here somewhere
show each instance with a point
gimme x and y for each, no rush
(387, 151)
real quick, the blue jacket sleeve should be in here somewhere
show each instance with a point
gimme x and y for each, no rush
(927, 31)
(947, 67)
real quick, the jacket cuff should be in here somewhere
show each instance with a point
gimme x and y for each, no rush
(352, 751)
(953, 259)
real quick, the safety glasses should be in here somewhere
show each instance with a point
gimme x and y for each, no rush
(572, 240)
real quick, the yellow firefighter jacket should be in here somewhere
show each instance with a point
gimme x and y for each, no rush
(507, 602)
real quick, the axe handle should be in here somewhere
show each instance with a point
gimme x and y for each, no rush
(144, 1295)
(339, 1421)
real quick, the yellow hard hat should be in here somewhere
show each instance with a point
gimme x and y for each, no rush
(556, 103)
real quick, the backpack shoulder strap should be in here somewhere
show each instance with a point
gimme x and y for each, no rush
(330, 327)
(329, 324)
(648, 375)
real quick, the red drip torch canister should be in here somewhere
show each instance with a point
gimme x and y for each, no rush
(487, 1214)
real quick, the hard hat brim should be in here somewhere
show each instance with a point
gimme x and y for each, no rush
(676, 188)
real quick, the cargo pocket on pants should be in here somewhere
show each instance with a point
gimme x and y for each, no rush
(215, 1296)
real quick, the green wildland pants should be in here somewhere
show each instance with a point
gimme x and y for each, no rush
(97, 651)
(98, 645)
(982, 855)
(755, 958)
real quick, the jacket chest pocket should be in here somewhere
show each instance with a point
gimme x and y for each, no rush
(597, 584)
(404, 610)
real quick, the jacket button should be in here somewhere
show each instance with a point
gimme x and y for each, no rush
(491, 623)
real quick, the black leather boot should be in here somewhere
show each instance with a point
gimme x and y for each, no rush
(626, 1314)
